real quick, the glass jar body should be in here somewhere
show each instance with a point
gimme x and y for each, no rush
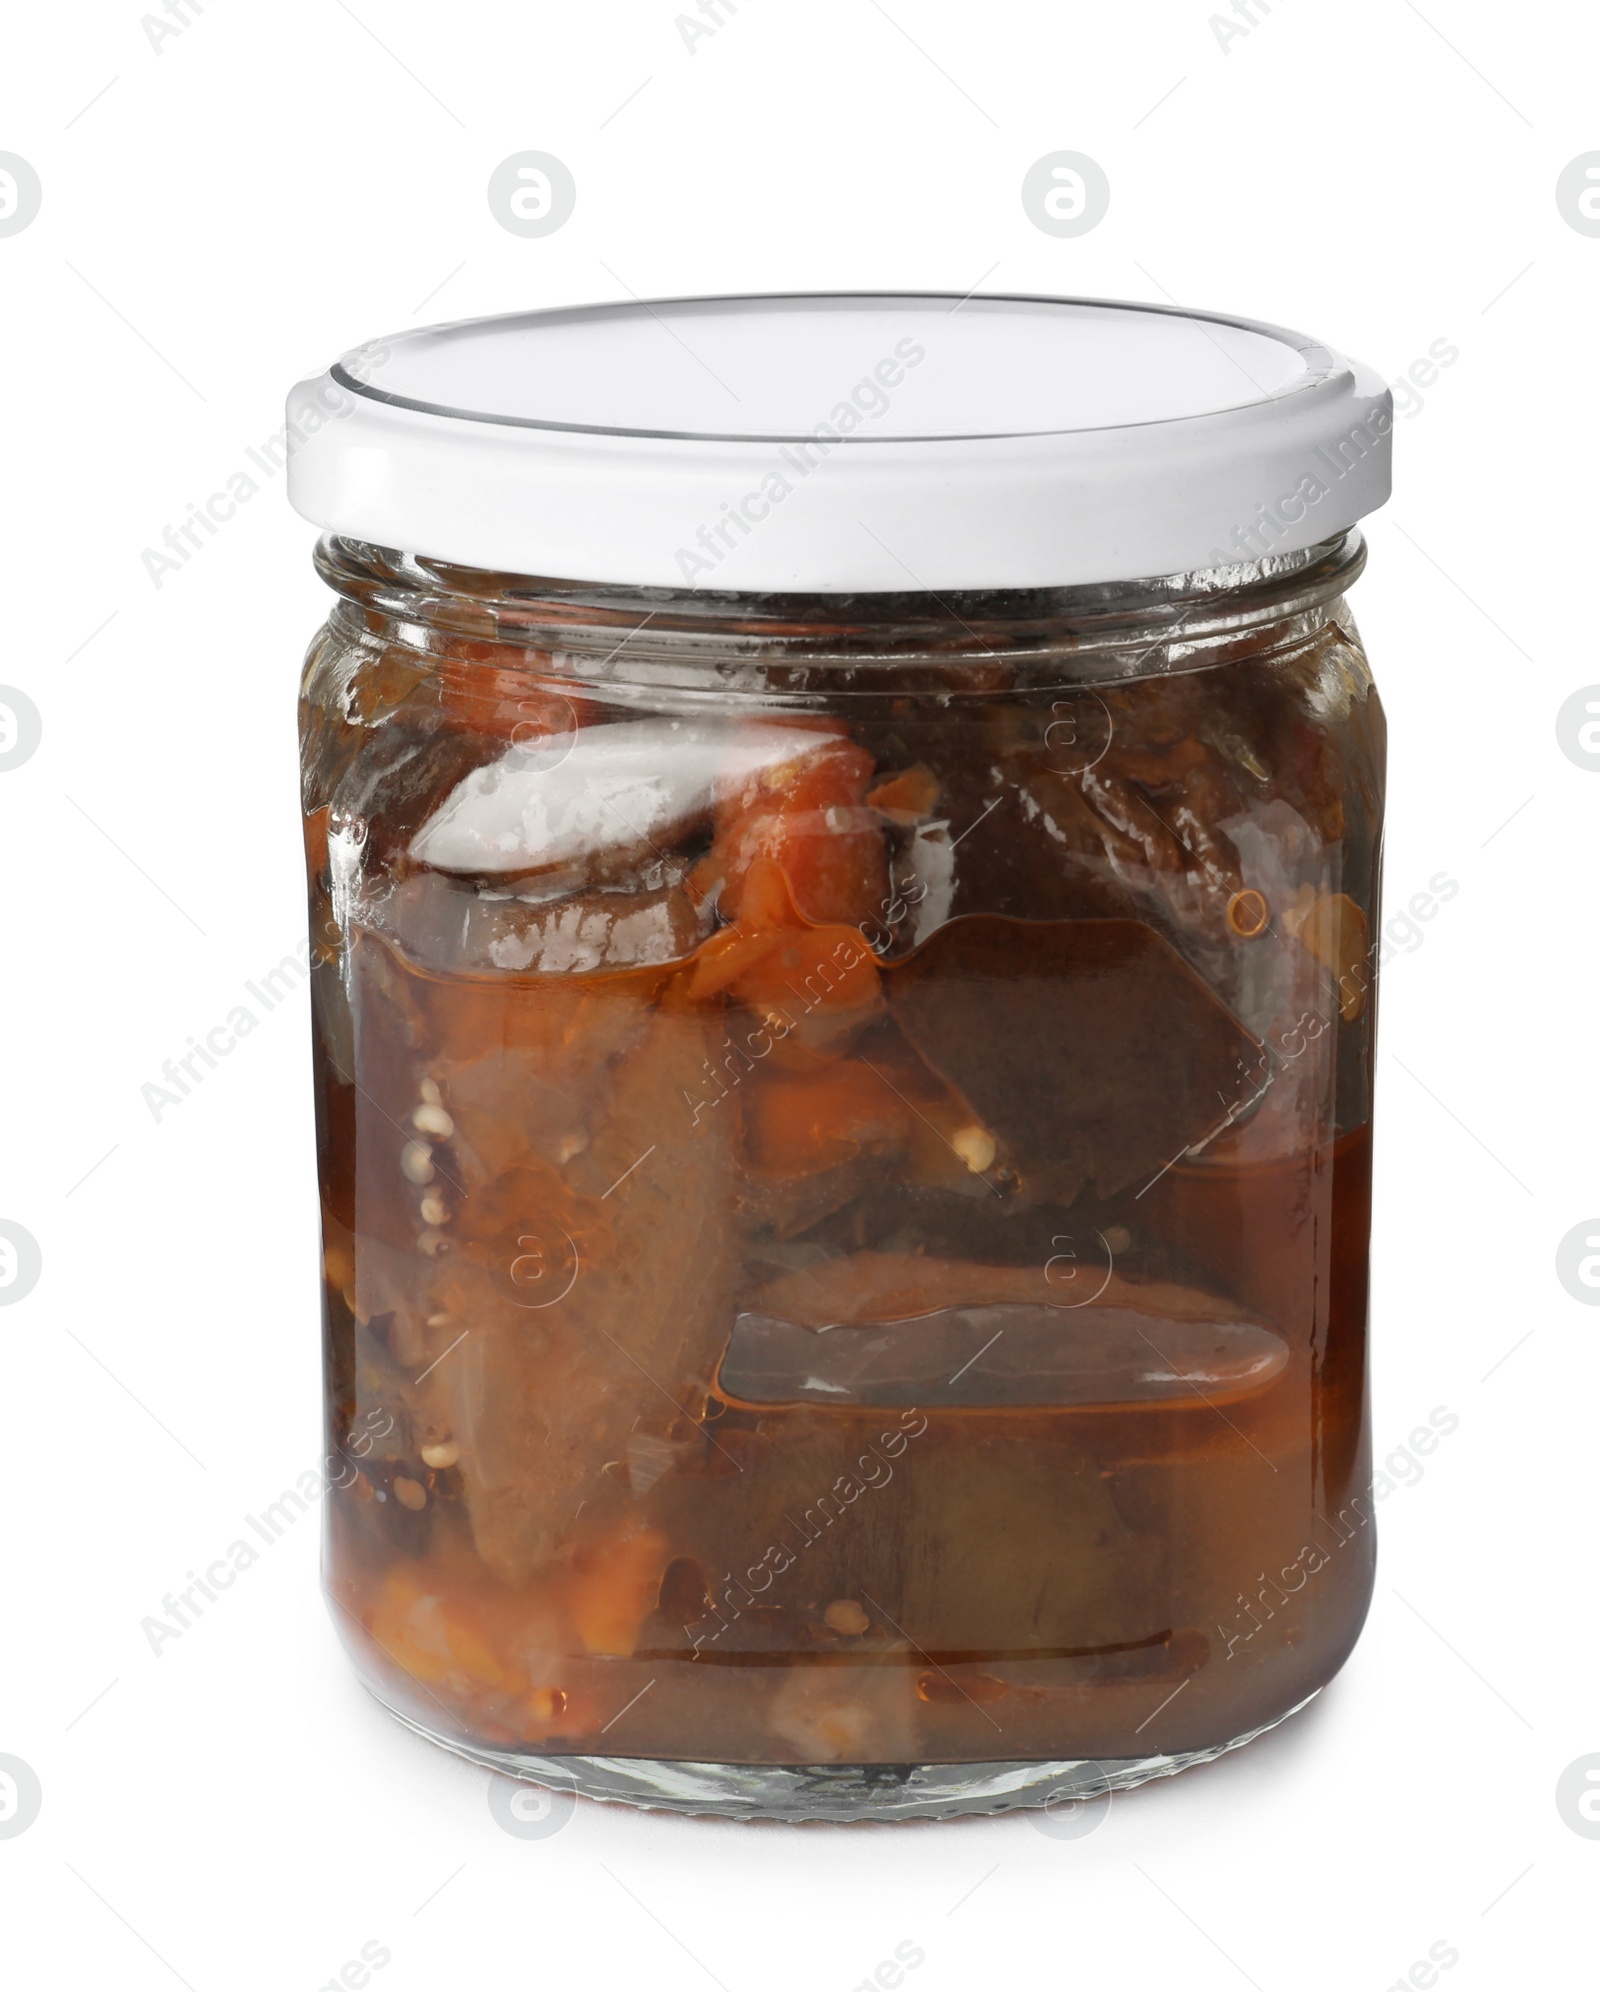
(845, 1149)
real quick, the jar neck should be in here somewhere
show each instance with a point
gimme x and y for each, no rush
(799, 644)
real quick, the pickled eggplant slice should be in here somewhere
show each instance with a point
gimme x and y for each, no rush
(532, 1158)
(1089, 1047)
(867, 1287)
(1008, 1354)
(895, 1328)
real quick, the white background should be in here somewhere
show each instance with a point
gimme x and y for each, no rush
(280, 181)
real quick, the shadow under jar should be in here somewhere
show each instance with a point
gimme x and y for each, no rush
(843, 1110)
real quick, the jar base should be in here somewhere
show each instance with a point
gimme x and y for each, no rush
(842, 1794)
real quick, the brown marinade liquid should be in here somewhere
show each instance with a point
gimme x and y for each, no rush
(931, 1347)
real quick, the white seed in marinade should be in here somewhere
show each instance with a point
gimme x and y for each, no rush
(432, 1243)
(432, 1097)
(441, 1456)
(846, 1616)
(432, 1210)
(438, 1321)
(975, 1146)
(410, 1493)
(416, 1162)
(429, 1119)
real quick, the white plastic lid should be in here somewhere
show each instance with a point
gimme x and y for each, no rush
(837, 443)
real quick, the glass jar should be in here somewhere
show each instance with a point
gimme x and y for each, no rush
(844, 1119)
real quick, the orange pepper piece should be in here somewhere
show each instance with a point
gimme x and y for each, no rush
(1334, 929)
(434, 1637)
(613, 1589)
(905, 798)
(806, 816)
(812, 984)
(796, 1124)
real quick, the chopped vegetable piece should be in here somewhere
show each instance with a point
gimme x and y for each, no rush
(906, 798)
(1088, 1046)
(813, 987)
(807, 816)
(891, 1286)
(1334, 929)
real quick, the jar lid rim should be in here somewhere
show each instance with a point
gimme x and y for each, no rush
(1318, 362)
(990, 440)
